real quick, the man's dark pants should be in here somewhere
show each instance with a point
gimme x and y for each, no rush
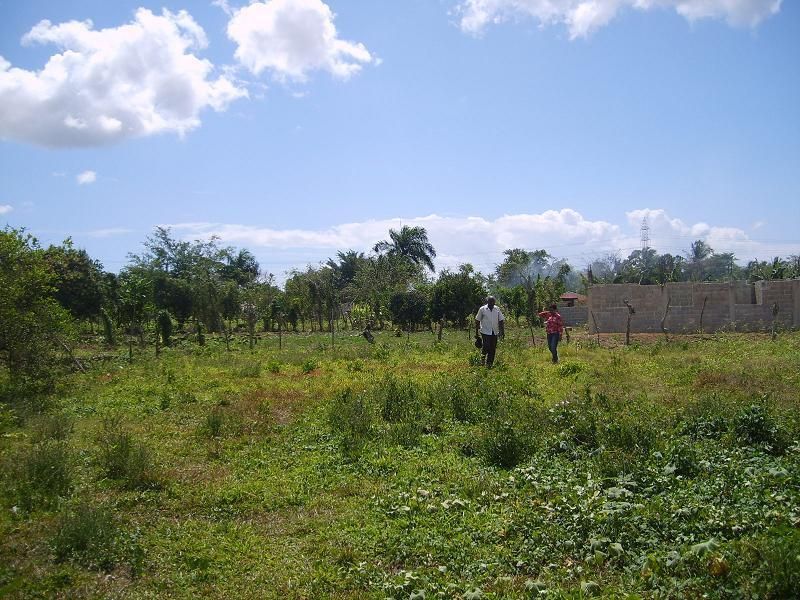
(488, 348)
(552, 343)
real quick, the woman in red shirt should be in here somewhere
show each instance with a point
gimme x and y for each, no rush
(554, 325)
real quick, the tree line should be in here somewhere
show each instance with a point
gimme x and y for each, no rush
(200, 287)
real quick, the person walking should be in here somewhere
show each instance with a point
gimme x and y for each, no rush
(489, 323)
(554, 325)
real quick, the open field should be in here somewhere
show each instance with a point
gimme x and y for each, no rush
(403, 470)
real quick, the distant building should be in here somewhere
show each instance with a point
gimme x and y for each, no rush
(571, 298)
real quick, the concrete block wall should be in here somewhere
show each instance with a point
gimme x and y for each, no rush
(734, 305)
(574, 316)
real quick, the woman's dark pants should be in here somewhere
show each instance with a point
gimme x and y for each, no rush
(552, 343)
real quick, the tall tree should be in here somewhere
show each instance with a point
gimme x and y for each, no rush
(410, 243)
(78, 280)
(33, 326)
(455, 296)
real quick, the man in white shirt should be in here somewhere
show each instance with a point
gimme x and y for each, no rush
(490, 323)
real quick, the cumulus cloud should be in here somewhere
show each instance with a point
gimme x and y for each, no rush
(5, 209)
(106, 85)
(86, 177)
(291, 38)
(669, 234)
(582, 17)
(565, 233)
(457, 239)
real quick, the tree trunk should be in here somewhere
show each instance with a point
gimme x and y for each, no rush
(631, 312)
(596, 328)
(664, 319)
(439, 333)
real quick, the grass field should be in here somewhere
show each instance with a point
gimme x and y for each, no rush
(404, 470)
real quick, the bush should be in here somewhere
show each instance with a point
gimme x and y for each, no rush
(406, 434)
(576, 419)
(214, 424)
(164, 323)
(308, 366)
(778, 572)
(52, 427)
(124, 459)
(448, 395)
(568, 369)
(351, 420)
(503, 444)
(88, 536)
(399, 400)
(41, 475)
(683, 458)
(755, 426)
(91, 537)
(250, 369)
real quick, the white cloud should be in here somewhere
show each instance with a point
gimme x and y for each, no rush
(86, 177)
(290, 38)
(106, 85)
(223, 4)
(110, 232)
(564, 233)
(668, 234)
(582, 17)
(5, 209)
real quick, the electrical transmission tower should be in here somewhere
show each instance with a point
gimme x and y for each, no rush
(645, 235)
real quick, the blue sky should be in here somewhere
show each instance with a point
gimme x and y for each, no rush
(296, 128)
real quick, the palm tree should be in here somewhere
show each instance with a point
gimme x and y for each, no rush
(346, 267)
(410, 243)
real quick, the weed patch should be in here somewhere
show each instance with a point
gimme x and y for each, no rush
(125, 459)
(91, 537)
(41, 475)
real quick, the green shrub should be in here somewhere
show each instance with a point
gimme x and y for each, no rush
(449, 395)
(381, 351)
(91, 537)
(308, 366)
(41, 475)
(88, 536)
(503, 444)
(352, 421)
(274, 366)
(125, 459)
(406, 434)
(682, 458)
(250, 369)
(778, 572)
(399, 400)
(164, 323)
(576, 420)
(214, 424)
(355, 366)
(568, 369)
(628, 430)
(52, 427)
(755, 426)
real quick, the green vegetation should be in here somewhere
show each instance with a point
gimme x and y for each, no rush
(188, 429)
(396, 469)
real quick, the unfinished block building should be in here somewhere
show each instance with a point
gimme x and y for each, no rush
(690, 307)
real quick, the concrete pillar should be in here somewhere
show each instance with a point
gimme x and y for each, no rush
(731, 303)
(796, 303)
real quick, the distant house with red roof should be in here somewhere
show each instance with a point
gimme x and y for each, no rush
(571, 298)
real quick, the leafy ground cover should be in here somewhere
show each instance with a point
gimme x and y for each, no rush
(338, 469)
